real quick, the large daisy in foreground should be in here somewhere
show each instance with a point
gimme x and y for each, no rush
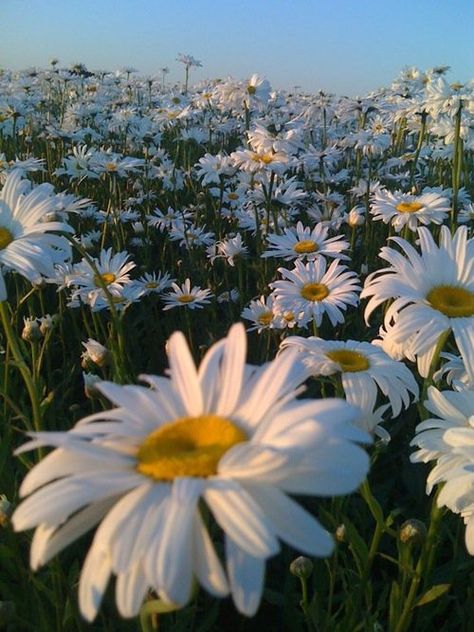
(228, 435)
(433, 294)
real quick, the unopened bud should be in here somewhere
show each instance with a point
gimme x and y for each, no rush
(6, 510)
(31, 330)
(340, 533)
(301, 567)
(412, 531)
(95, 354)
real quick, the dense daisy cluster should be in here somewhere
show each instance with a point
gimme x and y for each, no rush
(139, 223)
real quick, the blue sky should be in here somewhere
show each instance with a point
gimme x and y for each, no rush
(342, 46)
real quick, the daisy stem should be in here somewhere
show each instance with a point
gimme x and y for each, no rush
(423, 567)
(457, 167)
(13, 344)
(424, 116)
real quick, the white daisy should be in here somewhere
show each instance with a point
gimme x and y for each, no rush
(403, 209)
(310, 291)
(186, 296)
(227, 434)
(27, 243)
(433, 292)
(448, 438)
(111, 270)
(364, 368)
(304, 242)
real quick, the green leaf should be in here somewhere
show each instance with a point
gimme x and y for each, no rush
(433, 593)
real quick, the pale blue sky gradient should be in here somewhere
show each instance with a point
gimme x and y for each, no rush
(342, 46)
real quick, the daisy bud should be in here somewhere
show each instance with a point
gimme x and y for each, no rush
(94, 354)
(301, 567)
(46, 323)
(412, 531)
(6, 510)
(31, 330)
(340, 533)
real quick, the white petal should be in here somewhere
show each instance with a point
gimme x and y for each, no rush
(207, 566)
(175, 555)
(93, 581)
(232, 370)
(130, 590)
(241, 518)
(184, 375)
(246, 577)
(291, 522)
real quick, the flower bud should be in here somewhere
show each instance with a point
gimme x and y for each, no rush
(31, 330)
(301, 567)
(412, 531)
(340, 533)
(6, 510)
(94, 354)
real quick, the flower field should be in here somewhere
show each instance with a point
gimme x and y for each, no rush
(237, 354)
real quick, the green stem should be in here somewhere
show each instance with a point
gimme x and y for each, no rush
(24, 370)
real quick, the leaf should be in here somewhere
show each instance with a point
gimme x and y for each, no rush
(433, 593)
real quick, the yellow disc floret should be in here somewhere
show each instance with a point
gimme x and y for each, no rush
(265, 318)
(188, 446)
(5, 237)
(349, 361)
(314, 291)
(107, 278)
(454, 302)
(186, 298)
(305, 246)
(408, 207)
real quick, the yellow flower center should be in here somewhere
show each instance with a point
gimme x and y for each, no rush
(186, 298)
(107, 278)
(454, 302)
(265, 318)
(111, 166)
(408, 207)
(265, 158)
(176, 100)
(349, 361)
(305, 246)
(151, 285)
(251, 89)
(188, 446)
(289, 317)
(314, 291)
(5, 237)
(233, 196)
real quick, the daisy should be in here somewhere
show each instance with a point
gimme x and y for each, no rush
(187, 296)
(27, 243)
(228, 435)
(433, 294)
(261, 313)
(364, 369)
(111, 270)
(311, 290)
(448, 438)
(153, 283)
(303, 242)
(228, 249)
(402, 209)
